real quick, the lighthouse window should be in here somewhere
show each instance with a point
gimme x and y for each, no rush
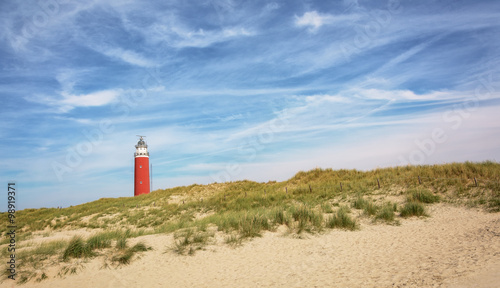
(140, 182)
(140, 166)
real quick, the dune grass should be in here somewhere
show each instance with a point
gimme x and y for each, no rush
(124, 255)
(98, 241)
(422, 195)
(30, 260)
(272, 203)
(413, 209)
(342, 220)
(451, 182)
(281, 217)
(188, 241)
(121, 243)
(140, 247)
(233, 240)
(360, 202)
(307, 219)
(77, 249)
(386, 212)
(370, 209)
(306, 203)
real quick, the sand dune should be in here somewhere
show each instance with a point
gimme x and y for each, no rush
(455, 247)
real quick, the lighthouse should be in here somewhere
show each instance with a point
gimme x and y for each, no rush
(141, 169)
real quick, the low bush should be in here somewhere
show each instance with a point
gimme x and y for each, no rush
(422, 195)
(359, 203)
(386, 213)
(342, 220)
(413, 209)
(370, 208)
(307, 219)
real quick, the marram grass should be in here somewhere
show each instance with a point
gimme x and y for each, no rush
(244, 209)
(422, 195)
(413, 209)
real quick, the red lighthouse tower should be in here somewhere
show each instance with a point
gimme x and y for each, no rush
(141, 171)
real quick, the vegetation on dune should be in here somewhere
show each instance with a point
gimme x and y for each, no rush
(422, 195)
(98, 241)
(342, 219)
(188, 241)
(77, 249)
(309, 202)
(450, 182)
(386, 212)
(413, 209)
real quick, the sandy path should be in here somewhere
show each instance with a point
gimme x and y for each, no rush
(456, 247)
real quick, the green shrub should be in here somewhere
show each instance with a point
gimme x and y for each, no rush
(342, 220)
(326, 208)
(308, 220)
(422, 195)
(359, 203)
(281, 218)
(370, 208)
(494, 202)
(250, 226)
(413, 209)
(386, 213)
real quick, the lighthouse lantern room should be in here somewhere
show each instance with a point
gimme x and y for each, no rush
(141, 171)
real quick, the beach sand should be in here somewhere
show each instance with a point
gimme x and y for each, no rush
(455, 247)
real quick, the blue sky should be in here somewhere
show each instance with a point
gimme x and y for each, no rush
(227, 90)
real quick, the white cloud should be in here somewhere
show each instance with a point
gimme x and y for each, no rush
(126, 56)
(235, 32)
(70, 101)
(408, 54)
(93, 99)
(380, 94)
(66, 100)
(315, 20)
(85, 121)
(312, 19)
(326, 98)
(347, 109)
(202, 38)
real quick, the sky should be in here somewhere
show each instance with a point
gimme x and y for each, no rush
(226, 90)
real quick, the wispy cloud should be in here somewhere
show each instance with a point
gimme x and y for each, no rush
(314, 20)
(66, 101)
(180, 37)
(99, 98)
(125, 55)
